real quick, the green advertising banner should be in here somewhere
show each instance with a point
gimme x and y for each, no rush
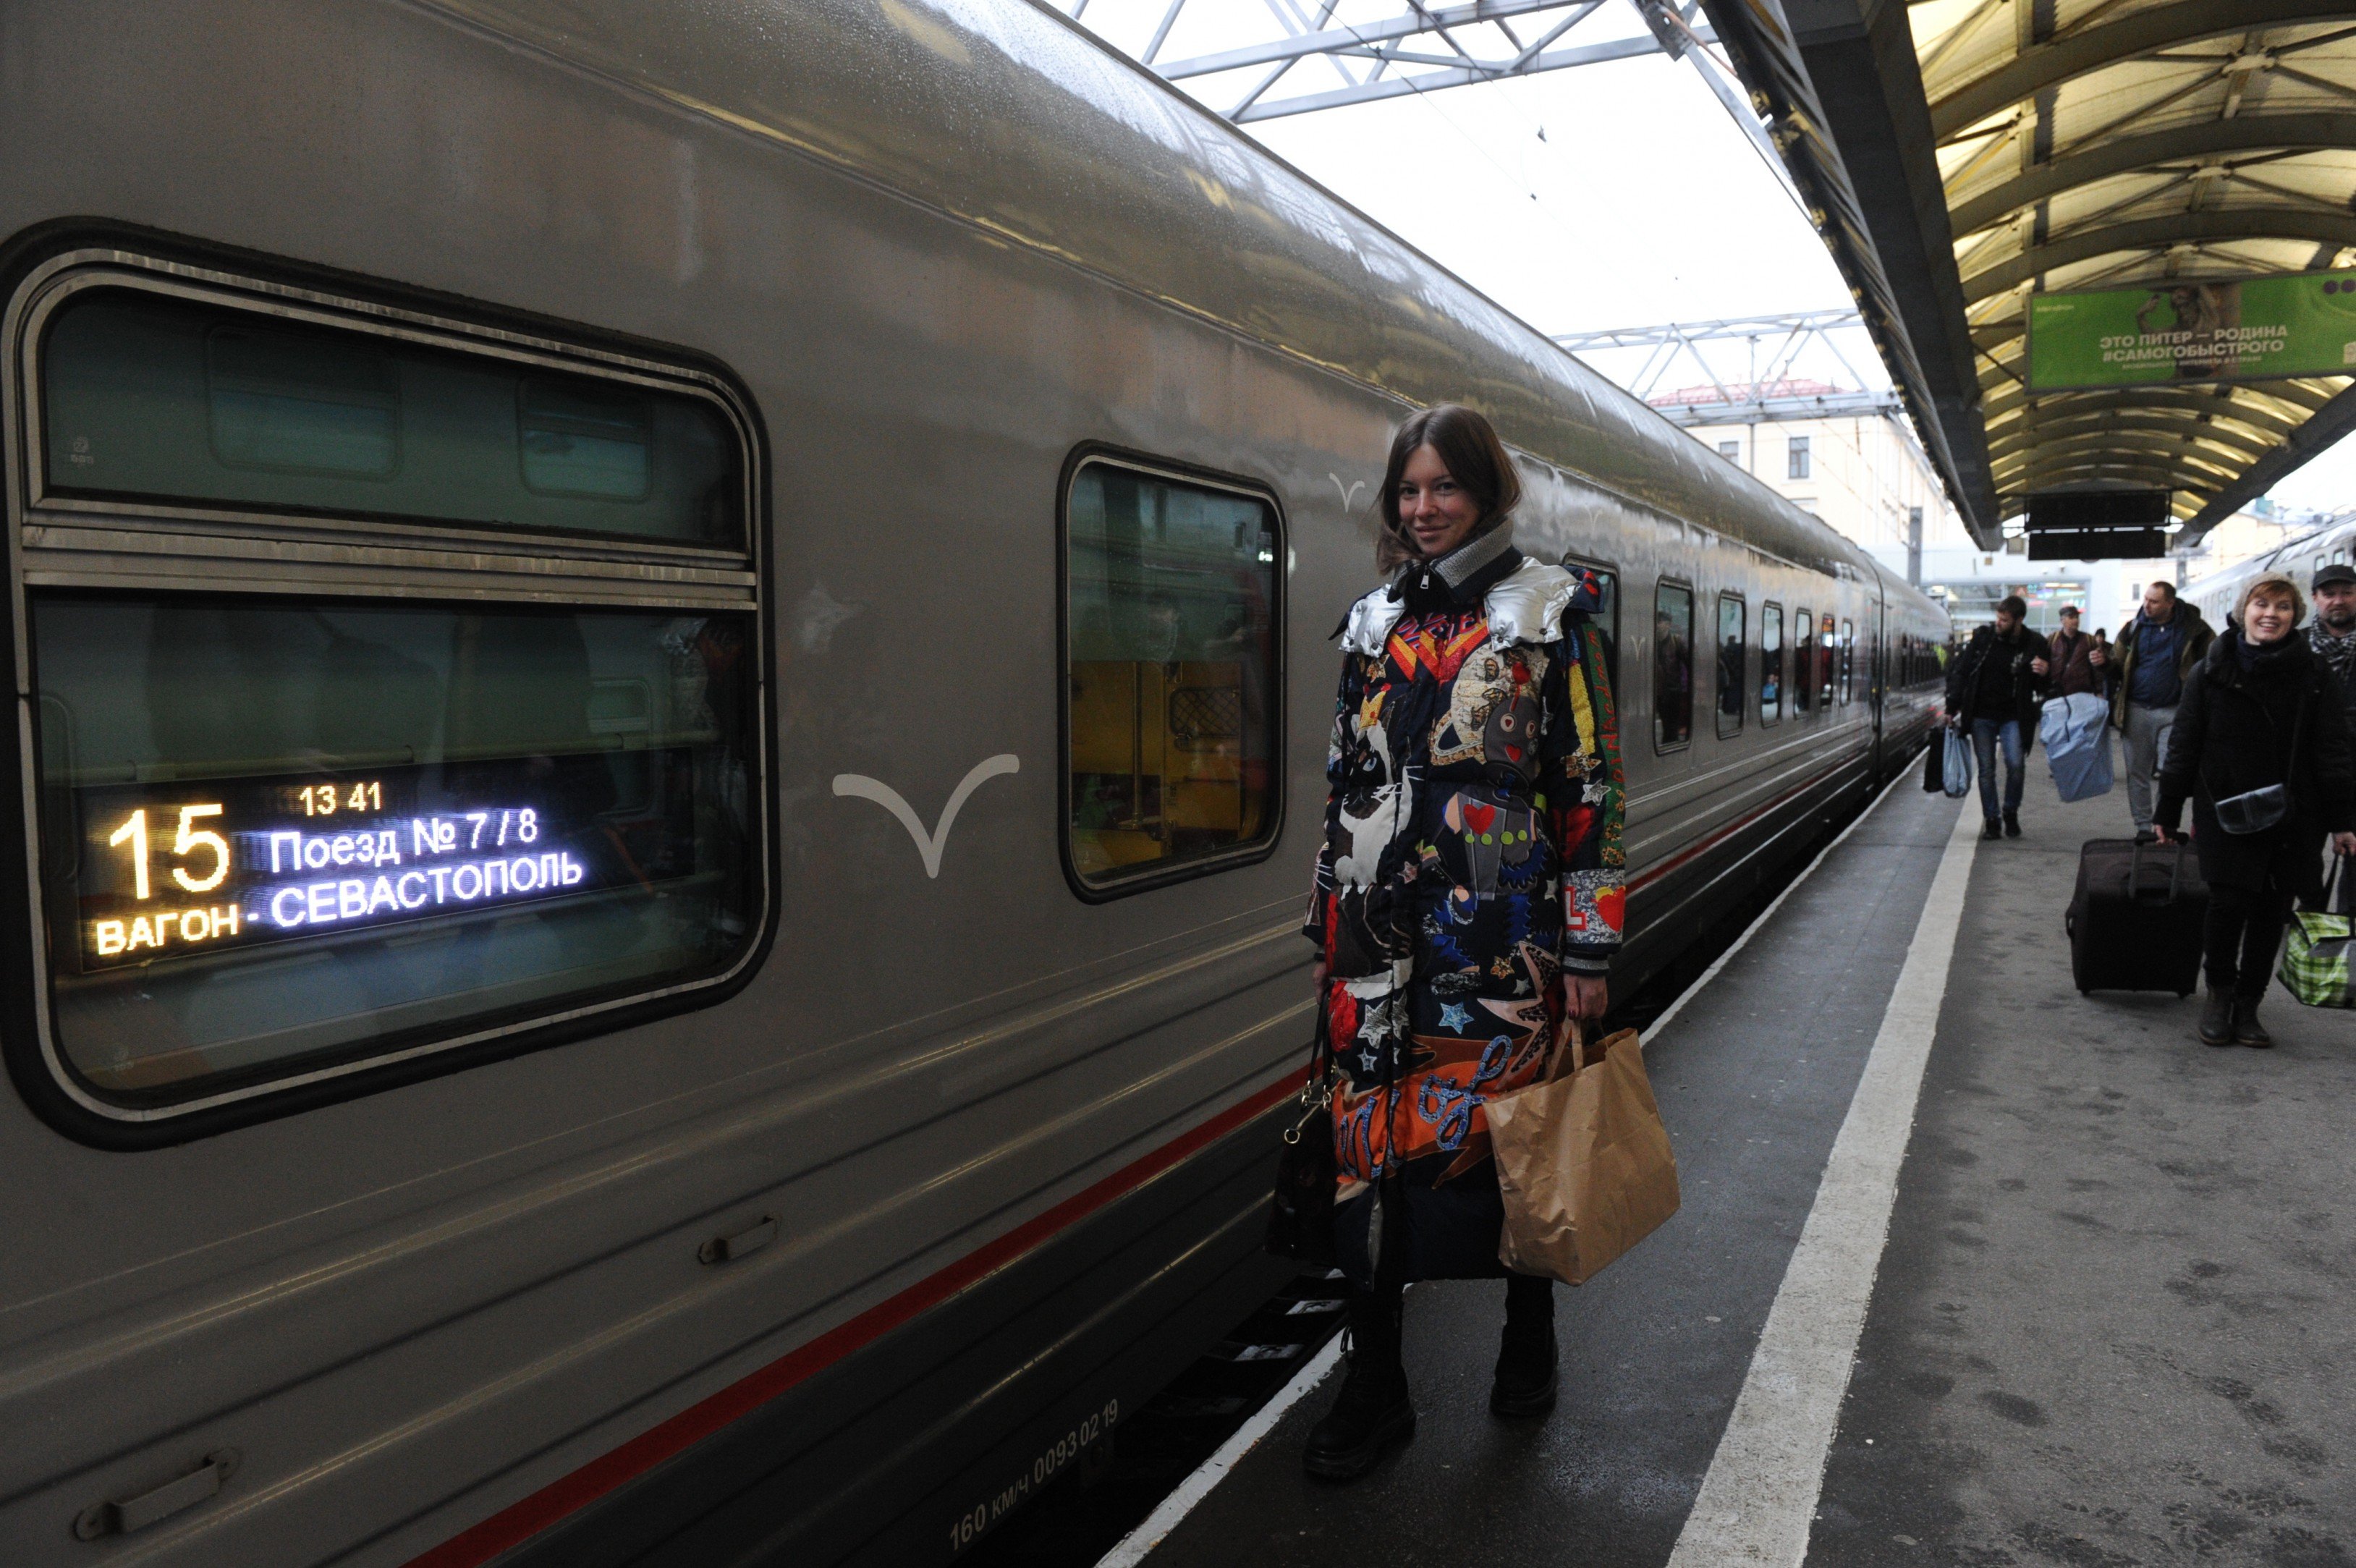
(2229, 330)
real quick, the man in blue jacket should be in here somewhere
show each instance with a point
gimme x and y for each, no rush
(2153, 655)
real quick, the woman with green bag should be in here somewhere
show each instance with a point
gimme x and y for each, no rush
(2262, 750)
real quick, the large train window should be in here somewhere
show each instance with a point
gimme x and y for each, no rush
(1606, 618)
(1803, 662)
(317, 792)
(1673, 665)
(1770, 663)
(1731, 635)
(1171, 639)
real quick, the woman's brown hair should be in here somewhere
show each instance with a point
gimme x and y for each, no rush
(1468, 448)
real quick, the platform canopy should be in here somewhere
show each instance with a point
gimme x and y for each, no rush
(1962, 156)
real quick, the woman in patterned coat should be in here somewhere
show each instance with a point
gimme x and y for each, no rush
(1468, 901)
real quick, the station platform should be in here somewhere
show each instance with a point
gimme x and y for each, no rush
(2109, 1323)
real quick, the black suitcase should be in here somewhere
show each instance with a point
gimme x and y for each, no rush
(2134, 919)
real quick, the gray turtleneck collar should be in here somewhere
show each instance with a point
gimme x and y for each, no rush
(1457, 567)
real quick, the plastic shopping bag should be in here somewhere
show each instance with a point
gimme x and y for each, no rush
(2076, 734)
(1959, 765)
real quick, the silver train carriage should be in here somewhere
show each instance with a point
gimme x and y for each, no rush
(2299, 559)
(671, 668)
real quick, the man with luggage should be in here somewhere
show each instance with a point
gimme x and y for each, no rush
(1993, 690)
(2153, 655)
(2072, 668)
(2331, 635)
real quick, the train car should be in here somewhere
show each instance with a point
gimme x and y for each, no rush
(670, 673)
(2299, 559)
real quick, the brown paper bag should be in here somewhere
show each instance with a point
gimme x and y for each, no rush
(1583, 1163)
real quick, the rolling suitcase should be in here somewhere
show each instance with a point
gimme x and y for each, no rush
(2134, 919)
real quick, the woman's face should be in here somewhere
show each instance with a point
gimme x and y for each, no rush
(1438, 513)
(2268, 616)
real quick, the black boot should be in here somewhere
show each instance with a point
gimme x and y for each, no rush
(2012, 824)
(2247, 1030)
(2216, 1028)
(1372, 1412)
(1527, 1374)
(1995, 829)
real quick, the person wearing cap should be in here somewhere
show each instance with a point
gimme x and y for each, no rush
(2069, 668)
(2332, 636)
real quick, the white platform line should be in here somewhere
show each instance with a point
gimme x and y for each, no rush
(1133, 1546)
(1759, 1498)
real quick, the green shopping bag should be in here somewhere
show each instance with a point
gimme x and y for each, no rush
(2315, 960)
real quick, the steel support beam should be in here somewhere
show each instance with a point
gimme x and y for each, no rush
(2334, 420)
(1360, 38)
(2160, 234)
(2202, 139)
(1436, 81)
(2091, 49)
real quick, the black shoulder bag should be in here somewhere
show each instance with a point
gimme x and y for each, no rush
(1300, 1219)
(2256, 810)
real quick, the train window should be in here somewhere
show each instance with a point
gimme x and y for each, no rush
(1770, 663)
(1607, 617)
(284, 833)
(1732, 633)
(1848, 662)
(1803, 662)
(191, 403)
(1171, 639)
(1827, 662)
(1673, 671)
(308, 808)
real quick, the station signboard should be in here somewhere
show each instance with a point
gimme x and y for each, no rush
(2193, 330)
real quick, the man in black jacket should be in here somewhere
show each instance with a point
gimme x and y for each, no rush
(2331, 635)
(1993, 691)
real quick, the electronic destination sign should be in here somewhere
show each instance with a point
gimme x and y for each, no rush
(172, 871)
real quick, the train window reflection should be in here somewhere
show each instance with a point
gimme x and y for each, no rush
(181, 402)
(1770, 663)
(1803, 662)
(1673, 672)
(1173, 639)
(1731, 635)
(1848, 662)
(281, 836)
(1827, 662)
(284, 400)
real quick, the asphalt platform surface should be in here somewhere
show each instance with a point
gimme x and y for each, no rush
(2114, 1324)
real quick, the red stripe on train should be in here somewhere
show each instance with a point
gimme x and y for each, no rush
(519, 1521)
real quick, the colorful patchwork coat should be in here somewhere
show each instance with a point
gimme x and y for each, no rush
(1472, 854)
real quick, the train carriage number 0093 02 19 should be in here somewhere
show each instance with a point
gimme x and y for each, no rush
(270, 859)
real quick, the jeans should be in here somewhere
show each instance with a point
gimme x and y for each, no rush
(2239, 937)
(2147, 749)
(1986, 735)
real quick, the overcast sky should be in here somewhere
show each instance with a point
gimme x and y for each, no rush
(1642, 203)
